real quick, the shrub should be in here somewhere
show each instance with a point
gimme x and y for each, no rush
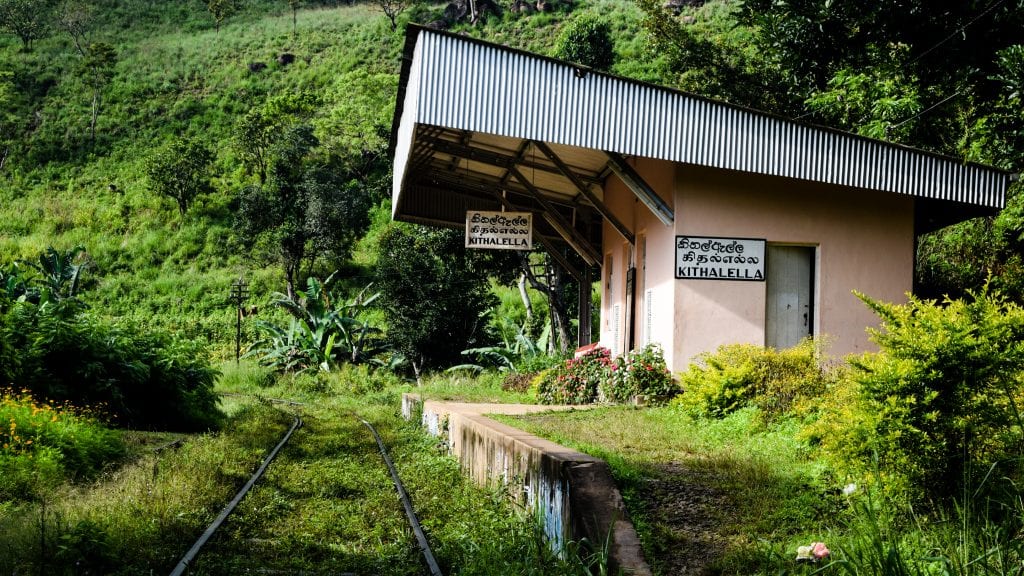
(324, 331)
(641, 374)
(740, 375)
(576, 381)
(586, 40)
(938, 405)
(141, 378)
(517, 381)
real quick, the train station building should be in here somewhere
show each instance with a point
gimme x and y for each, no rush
(705, 223)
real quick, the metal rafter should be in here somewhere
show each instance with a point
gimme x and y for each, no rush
(549, 246)
(585, 190)
(640, 188)
(558, 222)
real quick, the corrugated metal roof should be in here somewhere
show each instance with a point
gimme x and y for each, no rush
(464, 84)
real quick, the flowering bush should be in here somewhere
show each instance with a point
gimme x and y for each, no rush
(594, 376)
(641, 374)
(40, 444)
(577, 380)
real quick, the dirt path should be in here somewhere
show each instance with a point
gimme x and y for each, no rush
(682, 507)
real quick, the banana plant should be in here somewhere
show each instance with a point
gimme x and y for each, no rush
(321, 332)
(508, 356)
(61, 275)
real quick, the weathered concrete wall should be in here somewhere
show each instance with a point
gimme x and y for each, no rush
(572, 493)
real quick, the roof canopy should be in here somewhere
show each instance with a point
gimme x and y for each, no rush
(484, 127)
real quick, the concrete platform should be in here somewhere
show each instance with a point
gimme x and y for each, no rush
(572, 493)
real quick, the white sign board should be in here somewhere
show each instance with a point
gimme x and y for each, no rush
(499, 230)
(709, 258)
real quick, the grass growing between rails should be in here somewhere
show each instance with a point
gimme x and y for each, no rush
(325, 505)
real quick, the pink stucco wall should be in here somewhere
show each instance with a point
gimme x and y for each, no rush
(864, 242)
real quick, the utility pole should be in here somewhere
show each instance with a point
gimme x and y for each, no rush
(239, 294)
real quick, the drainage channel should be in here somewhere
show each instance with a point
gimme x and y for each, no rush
(414, 522)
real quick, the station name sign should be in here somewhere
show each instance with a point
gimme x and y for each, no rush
(499, 230)
(709, 258)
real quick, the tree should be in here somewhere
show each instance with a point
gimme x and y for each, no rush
(874, 101)
(355, 120)
(586, 40)
(76, 18)
(220, 10)
(305, 210)
(26, 19)
(549, 279)
(97, 70)
(435, 294)
(260, 129)
(948, 49)
(295, 5)
(8, 119)
(391, 9)
(715, 58)
(181, 171)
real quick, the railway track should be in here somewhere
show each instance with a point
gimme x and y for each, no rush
(193, 560)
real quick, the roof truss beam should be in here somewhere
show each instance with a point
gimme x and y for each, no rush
(585, 190)
(641, 189)
(495, 158)
(549, 246)
(558, 222)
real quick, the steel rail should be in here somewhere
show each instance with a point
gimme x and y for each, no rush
(421, 538)
(212, 528)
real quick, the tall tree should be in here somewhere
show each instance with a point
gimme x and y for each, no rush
(220, 10)
(295, 5)
(26, 19)
(180, 171)
(305, 210)
(946, 50)
(76, 19)
(260, 128)
(392, 9)
(548, 278)
(8, 119)
(97, 70)
(715, 57)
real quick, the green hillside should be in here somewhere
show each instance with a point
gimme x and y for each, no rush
(175, 77)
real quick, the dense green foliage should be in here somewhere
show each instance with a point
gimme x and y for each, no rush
(54, 346)
(137, 377)
(437, 294)
(937, 407)
(739, 376)
(324, 330)
(586, 39)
